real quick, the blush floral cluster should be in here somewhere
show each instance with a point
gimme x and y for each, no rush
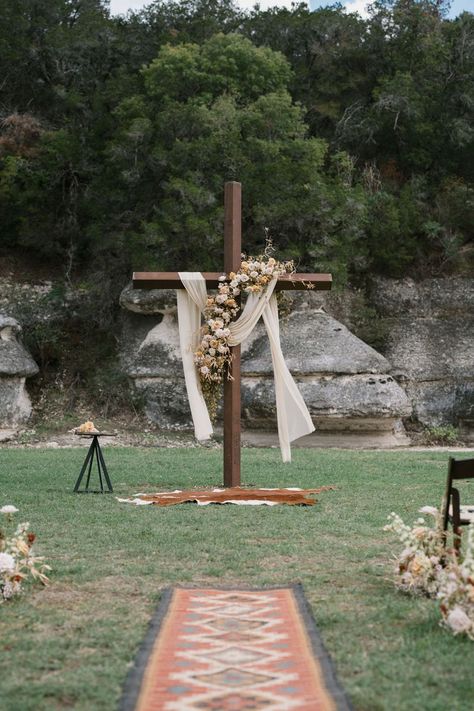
(456, 591)
(425, 566)
(418, 566)
(213, 357)
(17, 560)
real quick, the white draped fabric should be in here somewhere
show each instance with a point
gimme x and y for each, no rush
(191, 303)
(293, 418)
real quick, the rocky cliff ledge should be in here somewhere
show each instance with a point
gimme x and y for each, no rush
(345, 383)
(15, 366)
(430, 344)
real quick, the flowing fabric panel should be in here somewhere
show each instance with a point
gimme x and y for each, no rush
(191, 302)
(293, 418)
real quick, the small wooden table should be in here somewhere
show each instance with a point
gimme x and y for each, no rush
(94, 452)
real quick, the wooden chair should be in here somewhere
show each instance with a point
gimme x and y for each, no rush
(455, 513)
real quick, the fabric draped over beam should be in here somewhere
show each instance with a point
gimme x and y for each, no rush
(293, 418)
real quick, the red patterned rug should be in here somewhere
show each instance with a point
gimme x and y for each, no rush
(233, 650)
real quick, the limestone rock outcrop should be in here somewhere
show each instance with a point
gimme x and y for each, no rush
(15, 366)
(345, 383)
(430, 326)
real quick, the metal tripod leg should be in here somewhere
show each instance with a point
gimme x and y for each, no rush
(88, 459)
(104, 468)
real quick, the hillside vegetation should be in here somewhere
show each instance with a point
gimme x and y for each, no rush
(353, 139)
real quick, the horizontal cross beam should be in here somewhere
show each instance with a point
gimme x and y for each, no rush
(171, 280)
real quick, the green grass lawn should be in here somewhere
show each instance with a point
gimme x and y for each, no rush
(70, 645)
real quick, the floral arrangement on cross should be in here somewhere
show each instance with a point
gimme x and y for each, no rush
(17, 559)
(213, 358)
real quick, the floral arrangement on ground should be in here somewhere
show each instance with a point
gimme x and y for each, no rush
(17, 559)
(456, 591)
(425, 566)
(213, 358)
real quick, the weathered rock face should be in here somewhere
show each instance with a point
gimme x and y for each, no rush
(431, 345)
(15, 366)
(343, 381)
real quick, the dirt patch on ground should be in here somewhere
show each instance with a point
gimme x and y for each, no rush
(40, 439)
(145, 435)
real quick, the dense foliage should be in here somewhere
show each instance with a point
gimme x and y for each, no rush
(354, 139)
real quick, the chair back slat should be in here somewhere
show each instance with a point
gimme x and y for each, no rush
(457, 469)
(461, 468)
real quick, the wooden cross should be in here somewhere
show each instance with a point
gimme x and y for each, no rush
(232, 259)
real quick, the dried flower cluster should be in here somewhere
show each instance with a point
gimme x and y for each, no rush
(213, 357)
(456, 591)
(17, 561)
(426, 567)
(421, 561)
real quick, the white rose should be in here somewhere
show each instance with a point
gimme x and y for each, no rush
(406, 554)
(458, 620)
(220, 298)
(243, 277)
(236, 292)
(234, 283)
(222, 278)
(222, 349)
(219, 333)
(8, 590)
(8, 509)
(254, 275)
(212, 351)
(428, 510)
(204, 370)
(7, 563)
(450, 589)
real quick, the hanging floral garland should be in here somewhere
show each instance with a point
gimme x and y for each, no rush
(213, 358)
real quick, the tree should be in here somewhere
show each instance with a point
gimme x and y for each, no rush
(221, 111)
(326, 50)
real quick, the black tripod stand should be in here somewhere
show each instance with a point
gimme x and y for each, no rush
(94, 452)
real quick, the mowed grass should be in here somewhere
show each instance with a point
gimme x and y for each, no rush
(70, 645)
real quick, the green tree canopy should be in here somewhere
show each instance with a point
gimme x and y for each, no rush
(221, 111)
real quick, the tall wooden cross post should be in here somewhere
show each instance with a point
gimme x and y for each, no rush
(232, 259)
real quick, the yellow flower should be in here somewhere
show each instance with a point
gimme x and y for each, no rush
(419, 532)
(22, 547)
(415, 567)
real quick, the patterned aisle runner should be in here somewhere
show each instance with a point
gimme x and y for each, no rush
(233, 650)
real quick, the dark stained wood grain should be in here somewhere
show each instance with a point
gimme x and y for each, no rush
(232, 259)
(171, 280)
